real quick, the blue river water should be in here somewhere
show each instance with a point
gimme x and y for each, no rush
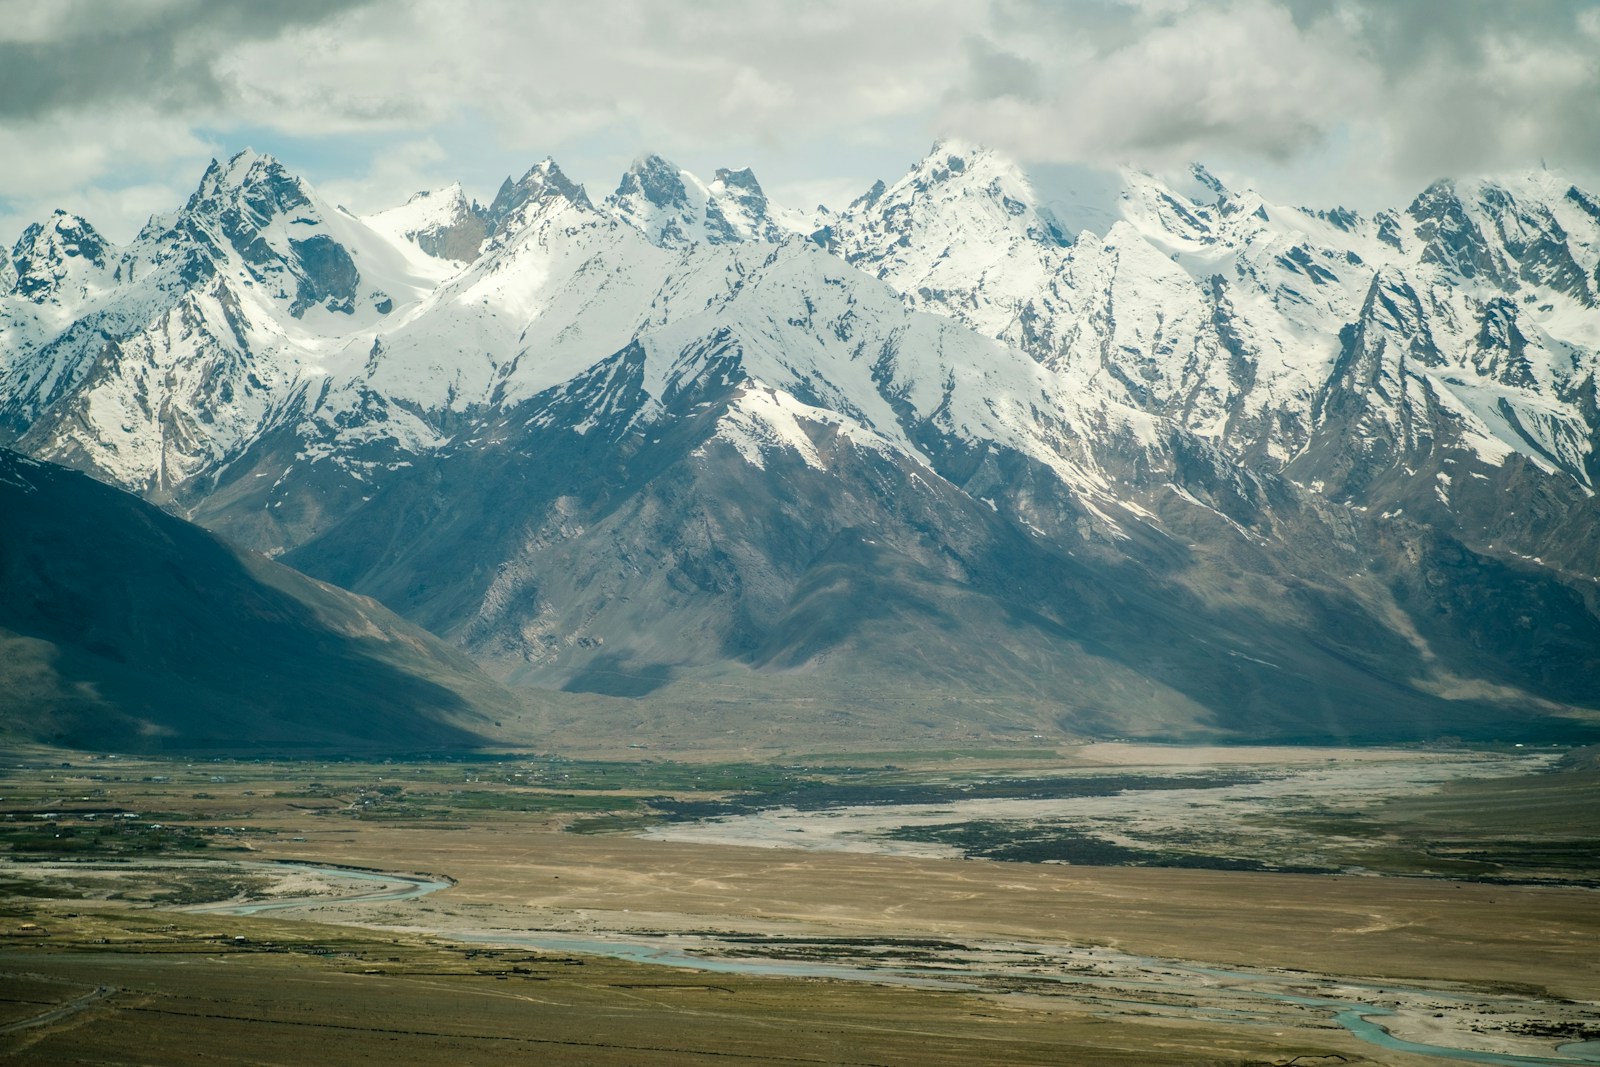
(1356, 1018)
(407, 887)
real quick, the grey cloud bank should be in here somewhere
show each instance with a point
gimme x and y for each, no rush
(111, 108)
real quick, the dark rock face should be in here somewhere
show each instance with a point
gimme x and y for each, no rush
(1450, 238)
(746, 194)
(541, 183)
(1503, 347)
(657, 181)
(462, 241)
(43, 255)
(327, 275)
(1534, 239)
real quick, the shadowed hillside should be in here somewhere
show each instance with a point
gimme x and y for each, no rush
(122, 627)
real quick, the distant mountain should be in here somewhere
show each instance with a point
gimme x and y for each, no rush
(124, 628)
(674, 209)
(439, 222)
(985, 453)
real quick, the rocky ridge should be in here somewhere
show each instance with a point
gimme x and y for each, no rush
(672, 434)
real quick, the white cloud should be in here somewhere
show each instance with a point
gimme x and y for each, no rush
(116, 168)
(393, 176)
(556, 72)
(1378, 95)
(1520, 99)
(1240, 79)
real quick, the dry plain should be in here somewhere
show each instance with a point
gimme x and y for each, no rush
(1034, 962)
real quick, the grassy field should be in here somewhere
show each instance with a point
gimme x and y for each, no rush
(1548, 821)
(134, 983)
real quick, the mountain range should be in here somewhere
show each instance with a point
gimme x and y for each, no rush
(983, 454)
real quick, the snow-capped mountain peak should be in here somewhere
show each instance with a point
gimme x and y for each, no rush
(675, 209)
(424, 209)
(667, 204)
(1164, 375)
(203, 330)
(745, 206)
(543, 188)
(253, 179)
(1211, 185)
(441, 222)
(253, 221)
(657, 181)
(739, 182)
(1534, 230)
(981, 186)
(960, 201)
(58, 260)
(962, 233)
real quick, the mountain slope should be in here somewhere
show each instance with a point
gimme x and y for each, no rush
(128, 629)
(676, 523)
(212, 327)
(982, 454)
(674, 209)
(1235, 319)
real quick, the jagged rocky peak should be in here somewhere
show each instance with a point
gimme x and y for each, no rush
(251, 218)
(1207, 184)
(744, 203)
(662, 201)
(1532, 229)
(1373, 349)
(751, 214)
(673, 208)
(441, 222)
(1374, 409)
(963, 169)
(545, 185)
(1340, 217)
(952, 157)
(62, 236)
(1584, 206)
(958, 194)
(1512, 232)
(738, 182)
(1527, 225)
(869, 198)
(1500, 347)
(1186, 209)
(55, 255)
(1185, 200)
(1393, 311)
(1451, 237)
(254, 180)
(656, 181)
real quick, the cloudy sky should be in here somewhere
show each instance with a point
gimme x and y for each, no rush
(112, 108)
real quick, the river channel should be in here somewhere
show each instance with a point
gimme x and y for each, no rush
(1104, 975)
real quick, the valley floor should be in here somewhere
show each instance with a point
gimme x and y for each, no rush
(619, 948)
